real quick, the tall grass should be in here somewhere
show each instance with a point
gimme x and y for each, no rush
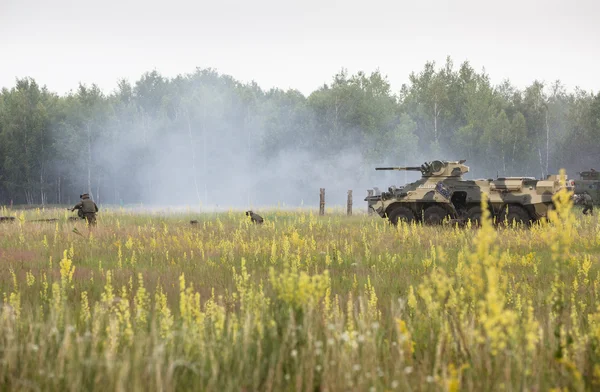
(301, 303)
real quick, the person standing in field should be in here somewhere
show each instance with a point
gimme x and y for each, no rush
(588, 204)
(88, 208)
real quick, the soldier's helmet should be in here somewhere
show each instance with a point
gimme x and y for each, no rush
(85, 196)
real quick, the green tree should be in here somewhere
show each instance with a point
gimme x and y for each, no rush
(27, 139)
(84, 126)
(535, 110)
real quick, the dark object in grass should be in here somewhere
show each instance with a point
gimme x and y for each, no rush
(255, 217)
(193, 222)
(7, 218)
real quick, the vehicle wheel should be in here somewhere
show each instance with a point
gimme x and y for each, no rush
(474, 215)
(513, 213)
(434, 215)
(404, 214)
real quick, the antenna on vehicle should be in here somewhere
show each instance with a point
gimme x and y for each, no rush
(497, 174)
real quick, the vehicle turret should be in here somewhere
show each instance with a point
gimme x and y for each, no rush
(589, 175)
(436, 168)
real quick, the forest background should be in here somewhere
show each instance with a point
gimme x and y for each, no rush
(206, 139)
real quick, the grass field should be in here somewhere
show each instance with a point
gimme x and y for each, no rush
(148, 302)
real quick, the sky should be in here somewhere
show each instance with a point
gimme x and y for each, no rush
(296, 44)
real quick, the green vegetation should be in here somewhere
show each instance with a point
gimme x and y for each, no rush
(52, 148)
(149, 302)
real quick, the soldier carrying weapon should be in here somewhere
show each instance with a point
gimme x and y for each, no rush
(87, 209)
(586, 201)
(588, 204)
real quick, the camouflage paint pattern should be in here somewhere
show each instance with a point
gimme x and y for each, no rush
(443, 193)
(589, 182)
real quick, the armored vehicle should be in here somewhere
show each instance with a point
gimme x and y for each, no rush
(589, 181)
(442, 193)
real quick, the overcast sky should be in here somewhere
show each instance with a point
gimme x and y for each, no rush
(296, 44)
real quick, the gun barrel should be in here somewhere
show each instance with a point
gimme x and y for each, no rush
(409, 168)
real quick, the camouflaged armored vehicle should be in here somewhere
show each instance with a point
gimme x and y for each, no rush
(442, 193)
(588, 182)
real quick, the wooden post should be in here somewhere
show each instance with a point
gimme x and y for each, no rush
(322, 202)
(349, 204)
(369, 209)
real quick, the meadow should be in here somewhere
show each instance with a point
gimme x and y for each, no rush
(148, 302)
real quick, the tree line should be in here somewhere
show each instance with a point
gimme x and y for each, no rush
(204, 127)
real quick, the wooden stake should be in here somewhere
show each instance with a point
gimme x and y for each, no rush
(322, 202)
(349, 204)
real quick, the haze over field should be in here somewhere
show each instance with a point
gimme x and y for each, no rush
(305, 106)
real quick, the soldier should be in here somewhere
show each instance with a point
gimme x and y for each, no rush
(87, 208)
(587, 203)
(254, 217)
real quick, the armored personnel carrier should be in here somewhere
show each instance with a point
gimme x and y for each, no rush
(442, 193)
(588, 182)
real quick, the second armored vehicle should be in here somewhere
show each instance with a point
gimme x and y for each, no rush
(588, 182)
(442, 193)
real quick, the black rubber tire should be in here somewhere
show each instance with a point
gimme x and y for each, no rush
(515, 214)
(474, 214)
(434, 215)
(404, 214)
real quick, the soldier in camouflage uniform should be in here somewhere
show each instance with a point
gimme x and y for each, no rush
(585, 200)
(87, 208)
(588, 204)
